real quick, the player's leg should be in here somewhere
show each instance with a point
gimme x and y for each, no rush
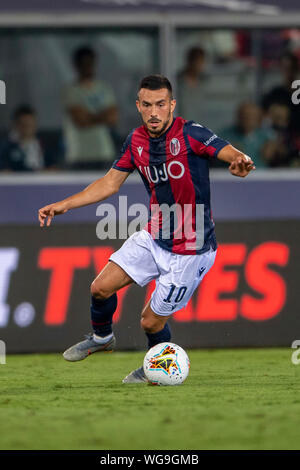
(103, 305)
(123, 268)
(157, 331)
(104, 298)
(155, 326)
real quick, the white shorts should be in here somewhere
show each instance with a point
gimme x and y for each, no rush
(177, 276)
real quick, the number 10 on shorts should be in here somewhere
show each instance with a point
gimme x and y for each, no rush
(179, 294)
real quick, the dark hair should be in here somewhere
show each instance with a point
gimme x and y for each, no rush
(156, 82)
(82, 52)
(22, 110)
(194, 53)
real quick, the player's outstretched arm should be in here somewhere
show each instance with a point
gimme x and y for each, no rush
(95, 192)
(239, 163)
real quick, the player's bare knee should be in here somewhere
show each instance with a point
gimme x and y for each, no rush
(99, 292)
(151, 325)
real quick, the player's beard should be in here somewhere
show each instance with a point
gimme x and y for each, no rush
(159, 132)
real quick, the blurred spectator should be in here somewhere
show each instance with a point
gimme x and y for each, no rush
(285, 152)
(22, 151)
(192, 86)
(194, 68)
(207, 89)
(91, 111)
(282, 94)
(249, 137)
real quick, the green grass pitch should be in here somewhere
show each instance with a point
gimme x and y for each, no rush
(232, 399)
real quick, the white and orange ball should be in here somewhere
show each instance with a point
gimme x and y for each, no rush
(166, 364)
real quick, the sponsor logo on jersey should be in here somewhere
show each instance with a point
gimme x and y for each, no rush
(174, 147)
(208, 141)
(140, 149)
(154, 174)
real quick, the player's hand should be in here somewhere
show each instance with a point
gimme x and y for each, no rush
(50, 211)
(242, 166)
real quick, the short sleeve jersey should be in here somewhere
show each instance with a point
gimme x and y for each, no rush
(175, 170)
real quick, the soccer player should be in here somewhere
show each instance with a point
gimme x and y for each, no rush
(172, 157)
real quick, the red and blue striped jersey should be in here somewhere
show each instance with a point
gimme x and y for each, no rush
(175, 170)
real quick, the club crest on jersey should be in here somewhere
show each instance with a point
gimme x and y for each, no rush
(174, 146)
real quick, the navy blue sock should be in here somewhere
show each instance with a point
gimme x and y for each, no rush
(102, 312)
(161, 336)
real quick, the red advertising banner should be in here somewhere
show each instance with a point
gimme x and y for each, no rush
(249, 297)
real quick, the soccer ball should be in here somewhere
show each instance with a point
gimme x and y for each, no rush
(166, 364)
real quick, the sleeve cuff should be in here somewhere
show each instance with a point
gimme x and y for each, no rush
(220, 147)
(128, 170)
